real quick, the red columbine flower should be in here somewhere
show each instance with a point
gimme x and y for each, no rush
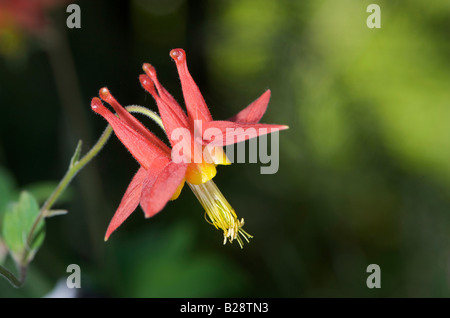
(29, 15)
(163, 171)
(19, 18)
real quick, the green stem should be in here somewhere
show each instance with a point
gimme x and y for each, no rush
(74, 168)
(147, 112)
(11, 278)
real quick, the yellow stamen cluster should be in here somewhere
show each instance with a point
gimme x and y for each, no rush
(219, 213)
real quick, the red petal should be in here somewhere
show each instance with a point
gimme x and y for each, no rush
(159, 189)
(227, 132)
(165, 96)
(171, 113)
(142, 149)
(195, 104)
(253, 113)
(129, 201)
(131, 121)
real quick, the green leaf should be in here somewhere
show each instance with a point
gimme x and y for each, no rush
(17, 225)
(7, 191)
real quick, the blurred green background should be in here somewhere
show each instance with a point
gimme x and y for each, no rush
(364, 172)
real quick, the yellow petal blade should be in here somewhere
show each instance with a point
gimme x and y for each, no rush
(198, 173)
(177, 193)
(216, 155)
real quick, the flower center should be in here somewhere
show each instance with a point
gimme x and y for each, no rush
(219, 213)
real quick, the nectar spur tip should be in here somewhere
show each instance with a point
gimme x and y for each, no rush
(149, 69)
(147, 83)
(104, 94)
(178, 55)
(96, 104)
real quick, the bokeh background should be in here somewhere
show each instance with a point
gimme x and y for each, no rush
(364, 172)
